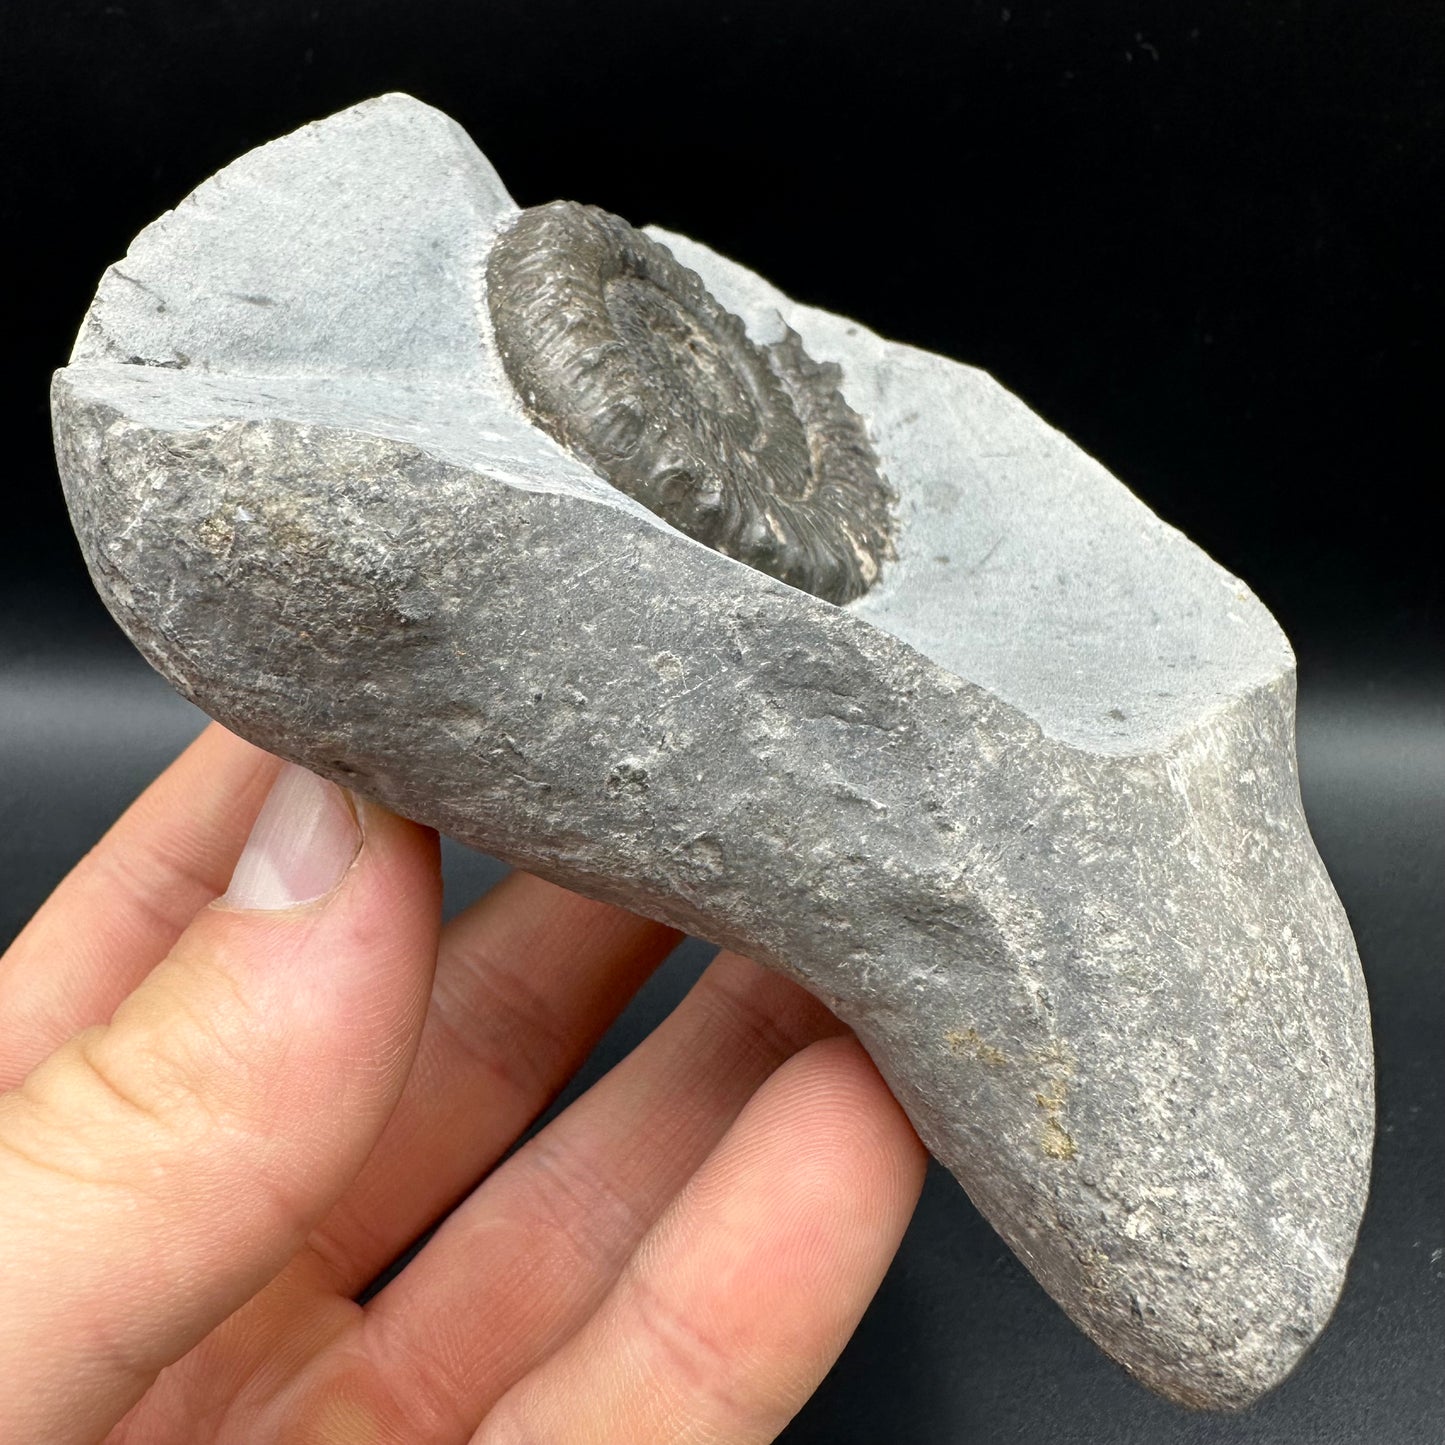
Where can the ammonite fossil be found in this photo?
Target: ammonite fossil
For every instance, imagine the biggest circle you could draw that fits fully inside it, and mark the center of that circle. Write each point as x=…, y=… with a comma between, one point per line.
x=623, y=355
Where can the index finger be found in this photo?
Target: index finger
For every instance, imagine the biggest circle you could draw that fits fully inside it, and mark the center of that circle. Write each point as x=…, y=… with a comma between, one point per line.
x=122, y=907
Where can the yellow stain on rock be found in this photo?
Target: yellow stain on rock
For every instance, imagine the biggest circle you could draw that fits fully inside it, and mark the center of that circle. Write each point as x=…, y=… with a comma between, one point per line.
x=1056, y=1141
x=1055, y=1065
x=968, y=1042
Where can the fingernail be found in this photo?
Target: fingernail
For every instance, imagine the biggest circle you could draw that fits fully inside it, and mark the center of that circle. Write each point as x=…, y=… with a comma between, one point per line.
x=301, y=845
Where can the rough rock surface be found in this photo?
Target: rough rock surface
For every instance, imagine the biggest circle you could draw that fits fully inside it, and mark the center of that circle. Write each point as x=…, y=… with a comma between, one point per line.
x=1025, y=814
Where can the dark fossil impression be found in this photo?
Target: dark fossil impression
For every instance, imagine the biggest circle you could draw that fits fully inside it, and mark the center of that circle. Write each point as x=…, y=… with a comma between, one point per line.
x=623, y=355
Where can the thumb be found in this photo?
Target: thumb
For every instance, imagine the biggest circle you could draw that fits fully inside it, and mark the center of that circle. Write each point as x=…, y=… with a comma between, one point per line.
x=157, y=1171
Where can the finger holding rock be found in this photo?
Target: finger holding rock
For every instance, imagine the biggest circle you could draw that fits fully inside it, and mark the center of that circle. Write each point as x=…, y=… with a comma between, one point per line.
x=158, y=1169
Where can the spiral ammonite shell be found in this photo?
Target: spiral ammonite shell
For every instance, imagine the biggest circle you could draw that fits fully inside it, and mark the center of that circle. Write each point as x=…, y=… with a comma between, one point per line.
x=622, y=355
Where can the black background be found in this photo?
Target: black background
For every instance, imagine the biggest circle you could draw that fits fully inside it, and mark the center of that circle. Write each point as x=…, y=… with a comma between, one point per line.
x=1205, y=241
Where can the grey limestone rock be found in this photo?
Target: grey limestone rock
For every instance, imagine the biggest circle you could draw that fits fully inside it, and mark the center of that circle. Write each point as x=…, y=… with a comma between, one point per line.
x=1024, y=811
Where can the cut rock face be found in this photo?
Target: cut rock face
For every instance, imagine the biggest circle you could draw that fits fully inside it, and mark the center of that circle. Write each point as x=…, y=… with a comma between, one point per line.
x=1024, y=811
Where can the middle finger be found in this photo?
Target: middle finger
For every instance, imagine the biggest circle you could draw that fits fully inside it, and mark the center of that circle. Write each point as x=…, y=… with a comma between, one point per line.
x=528, y=979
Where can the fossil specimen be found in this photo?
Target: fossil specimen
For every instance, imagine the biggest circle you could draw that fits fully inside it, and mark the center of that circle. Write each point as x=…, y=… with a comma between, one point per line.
x=1024, y=812
x=621, y=353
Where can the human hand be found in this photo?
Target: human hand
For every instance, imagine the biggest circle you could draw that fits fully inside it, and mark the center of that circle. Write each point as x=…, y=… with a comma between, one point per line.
x=288, y=1092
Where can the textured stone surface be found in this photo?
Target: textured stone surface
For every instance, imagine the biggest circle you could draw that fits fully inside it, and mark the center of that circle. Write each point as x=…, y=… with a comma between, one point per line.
x=1025, y=814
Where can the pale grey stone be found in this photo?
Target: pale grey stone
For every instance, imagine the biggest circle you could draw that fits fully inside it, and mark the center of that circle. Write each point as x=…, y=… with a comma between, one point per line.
x=1025, y=814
